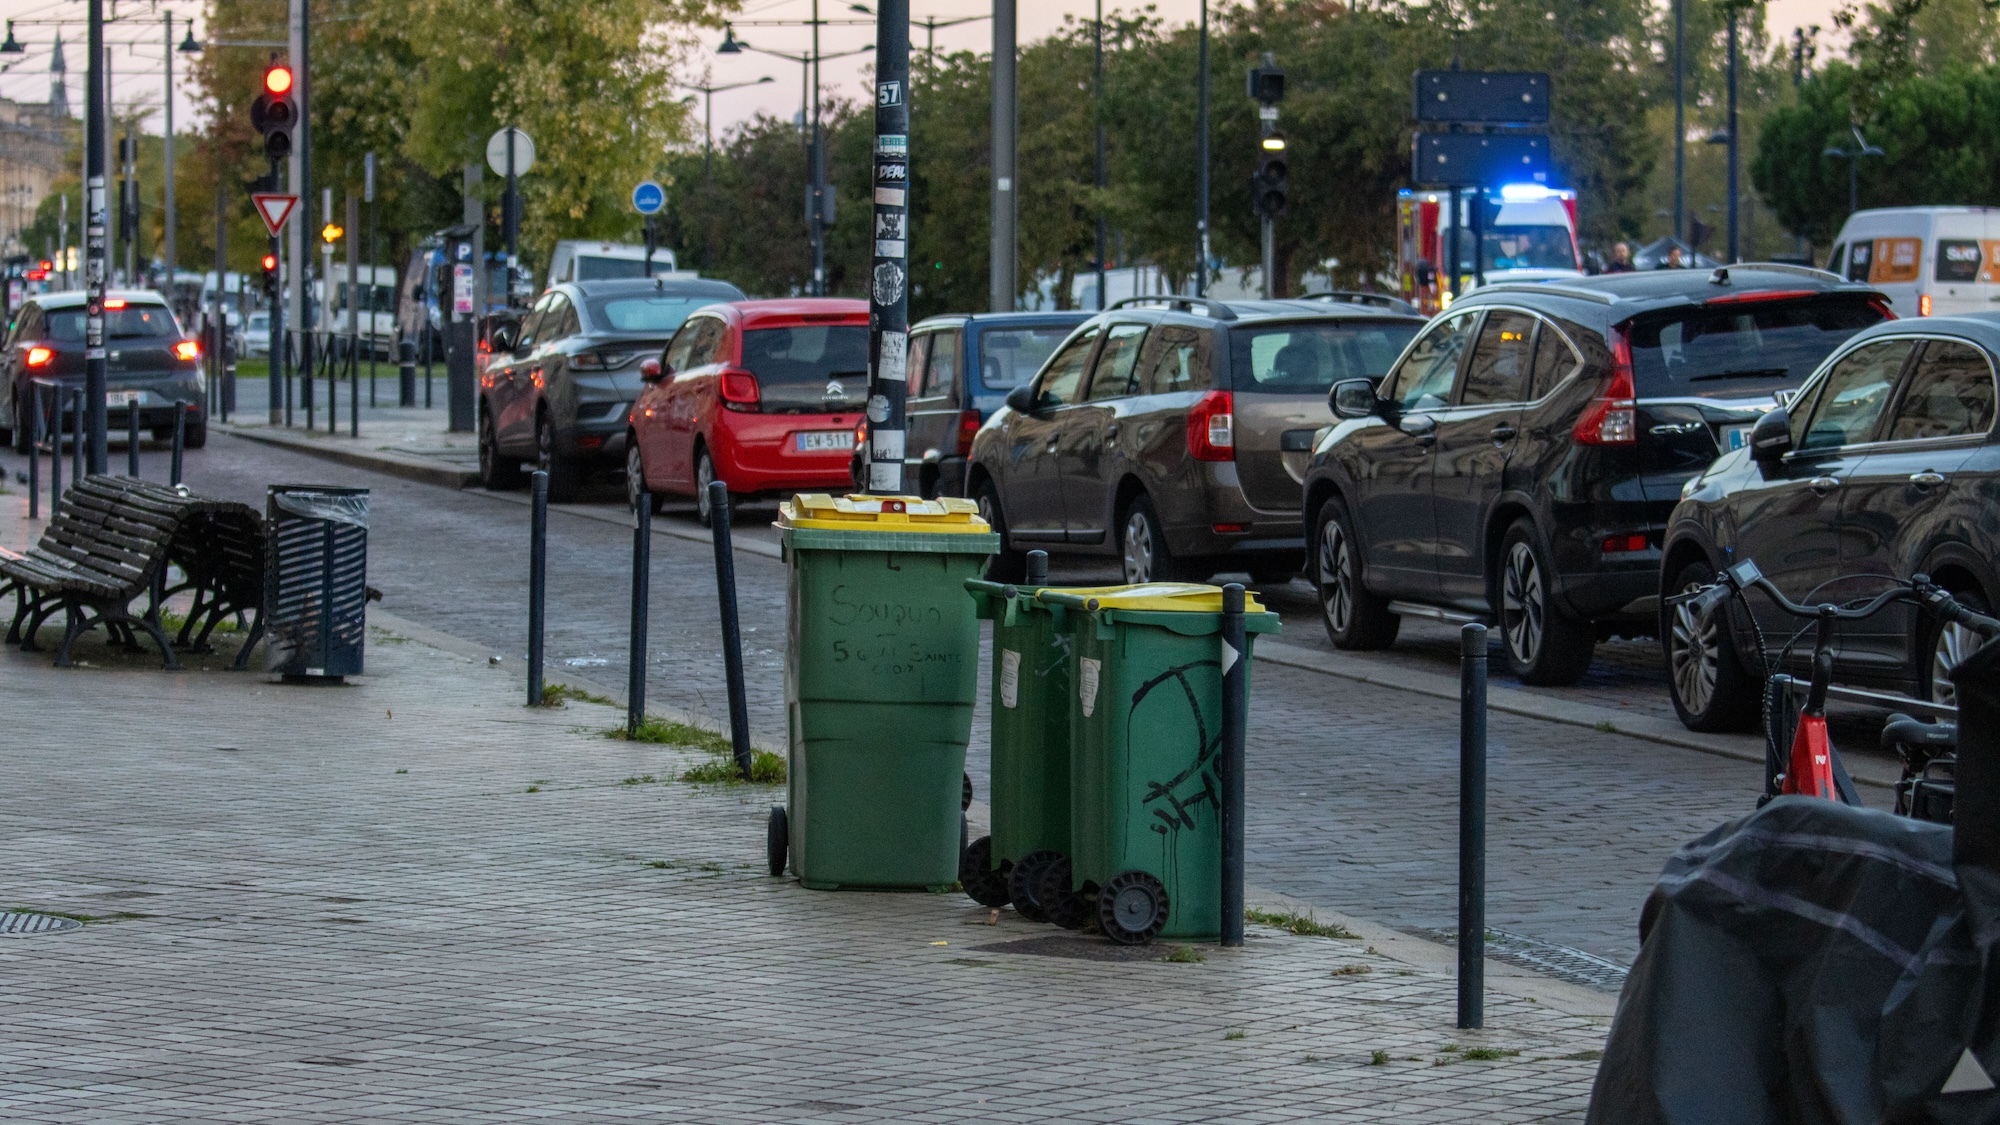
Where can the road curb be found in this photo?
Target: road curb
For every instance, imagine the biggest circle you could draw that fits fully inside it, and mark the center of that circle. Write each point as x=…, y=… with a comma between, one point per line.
x=405, y=465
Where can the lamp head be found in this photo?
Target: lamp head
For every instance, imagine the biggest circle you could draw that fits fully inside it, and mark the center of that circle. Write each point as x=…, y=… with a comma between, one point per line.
x=730, y=44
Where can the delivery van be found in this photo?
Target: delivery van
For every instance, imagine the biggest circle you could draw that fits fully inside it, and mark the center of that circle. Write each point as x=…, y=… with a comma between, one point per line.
x=1931, y=261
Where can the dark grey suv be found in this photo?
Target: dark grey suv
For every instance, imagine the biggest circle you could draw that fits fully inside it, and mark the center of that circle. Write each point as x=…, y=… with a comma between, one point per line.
x=1172, y=432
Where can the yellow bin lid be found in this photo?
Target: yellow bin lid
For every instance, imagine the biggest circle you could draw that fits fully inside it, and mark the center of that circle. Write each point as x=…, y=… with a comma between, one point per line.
x=822, y=512
x=1168, y=597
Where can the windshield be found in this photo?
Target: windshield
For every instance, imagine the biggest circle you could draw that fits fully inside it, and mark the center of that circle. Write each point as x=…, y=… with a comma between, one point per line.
x=1519, y=248
x=613, y=269
x=129, y=323
x=1009, y=357
x=1311, y=358
x=1744, y=349
x=382, y=296
x=810, y=368
x=651, y=313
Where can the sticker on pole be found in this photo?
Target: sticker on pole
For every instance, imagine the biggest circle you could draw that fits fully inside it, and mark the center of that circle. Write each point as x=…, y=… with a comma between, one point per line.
x=274, y=208
x=648, y=198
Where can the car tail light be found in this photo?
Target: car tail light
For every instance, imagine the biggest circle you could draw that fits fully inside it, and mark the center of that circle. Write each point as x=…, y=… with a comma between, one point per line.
x=114, y=303
x=187, y=351
x=1923, y=304
x=41, y=357
x=861, y=435
x=1612, y=417
x=739, y=390
x=1619, y=544
x=968, y=425
x=598, y=361
x=1881, y=305
x=1761, y=295
x=1211, y=428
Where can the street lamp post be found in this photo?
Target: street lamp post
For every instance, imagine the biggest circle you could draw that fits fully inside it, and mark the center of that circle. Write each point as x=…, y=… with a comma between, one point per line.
x=1201, y=162
x=1861, y=148
x=888, y=279
x=94, y=242
x=1680, y=121
x=708, y=118
x=1003, y=277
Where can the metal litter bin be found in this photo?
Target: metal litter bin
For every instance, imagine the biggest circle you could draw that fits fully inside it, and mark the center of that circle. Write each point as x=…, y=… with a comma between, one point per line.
x=316, y=581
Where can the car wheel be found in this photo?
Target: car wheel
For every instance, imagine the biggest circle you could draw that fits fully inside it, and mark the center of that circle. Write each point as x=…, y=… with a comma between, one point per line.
x=1142, y=546
x=195, y=436
x=23, y=434
x=565, y=479
x=1354, y=617
x=635, y=478
x=704, y=475
x=1007, y=564
x=1544, y=644
x=496, y=473
x=1711, y=689
x=1947, y=646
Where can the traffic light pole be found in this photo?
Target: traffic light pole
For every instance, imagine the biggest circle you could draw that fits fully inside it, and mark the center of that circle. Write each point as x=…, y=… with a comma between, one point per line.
x=888, y=289
x=94, y=376
x=301, y=15
x=1270, y=239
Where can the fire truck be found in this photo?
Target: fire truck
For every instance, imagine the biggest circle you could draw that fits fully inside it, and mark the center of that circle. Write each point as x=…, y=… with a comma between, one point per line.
x=1520, y=232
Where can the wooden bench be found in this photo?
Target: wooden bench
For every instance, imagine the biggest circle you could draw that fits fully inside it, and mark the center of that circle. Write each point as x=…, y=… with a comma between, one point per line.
x=111, y=542
x=220, y=550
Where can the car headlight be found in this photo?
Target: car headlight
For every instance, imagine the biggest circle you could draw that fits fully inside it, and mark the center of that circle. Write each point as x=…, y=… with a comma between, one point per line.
x=1692, y=486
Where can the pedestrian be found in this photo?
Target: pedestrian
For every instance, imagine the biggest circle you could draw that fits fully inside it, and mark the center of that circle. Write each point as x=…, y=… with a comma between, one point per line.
x=1674, y=260
x=1621, y=258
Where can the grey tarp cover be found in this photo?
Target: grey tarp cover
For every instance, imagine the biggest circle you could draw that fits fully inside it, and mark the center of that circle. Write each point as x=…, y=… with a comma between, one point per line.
x=1818, y=963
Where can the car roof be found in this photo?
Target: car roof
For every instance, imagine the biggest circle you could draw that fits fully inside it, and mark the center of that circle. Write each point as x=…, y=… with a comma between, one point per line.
x=1610, y=298
x=75, y=298
x=780, y=311
x=1046, y=317
x=1981, y=328
x=667, y=286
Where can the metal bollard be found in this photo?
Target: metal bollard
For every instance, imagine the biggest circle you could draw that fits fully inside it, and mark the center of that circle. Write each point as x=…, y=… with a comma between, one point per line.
x=1038, y=568
x=76, y=447
x=732, y=636
x=406, y=373
x=55, y=457
x=538, y=581
x=1472, y=826
x=132, y=438
x=354, y=387
x=1235, y=715
x=428, y=347
x=642, y=579
x=180, y=440
x=35, y=457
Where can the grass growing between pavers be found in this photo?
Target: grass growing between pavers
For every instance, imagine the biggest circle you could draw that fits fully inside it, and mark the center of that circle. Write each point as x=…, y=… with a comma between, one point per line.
x=1302, y=924
x=557, y=695
x=766, y=768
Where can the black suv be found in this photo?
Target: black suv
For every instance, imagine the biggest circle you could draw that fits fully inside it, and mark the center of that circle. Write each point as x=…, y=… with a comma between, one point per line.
x=1520, y=462
x=1173, y=432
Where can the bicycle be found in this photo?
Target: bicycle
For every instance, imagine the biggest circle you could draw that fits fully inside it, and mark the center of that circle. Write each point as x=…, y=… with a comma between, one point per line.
x=1806, y=763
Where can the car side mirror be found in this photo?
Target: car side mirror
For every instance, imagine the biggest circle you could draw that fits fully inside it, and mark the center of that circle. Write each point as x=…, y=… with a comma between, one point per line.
x=1771, y=437
x=1353, y=398
x=651, y=371
x=1021, y=399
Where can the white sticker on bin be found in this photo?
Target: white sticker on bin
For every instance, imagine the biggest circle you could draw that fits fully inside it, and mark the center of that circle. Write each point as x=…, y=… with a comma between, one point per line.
x=1010, y=678
x=1086, y=684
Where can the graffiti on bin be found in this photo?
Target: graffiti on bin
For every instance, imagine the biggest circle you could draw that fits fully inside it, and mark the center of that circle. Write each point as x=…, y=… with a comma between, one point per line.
x=1174, y=800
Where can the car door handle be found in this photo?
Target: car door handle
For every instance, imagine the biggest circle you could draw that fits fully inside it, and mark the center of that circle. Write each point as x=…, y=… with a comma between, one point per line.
x=1823, y=484
x=1927, y=479
x=1503, y=433
x=1422, y=428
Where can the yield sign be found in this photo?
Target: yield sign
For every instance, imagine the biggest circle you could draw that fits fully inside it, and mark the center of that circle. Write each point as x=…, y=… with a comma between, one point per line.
x=275, y=209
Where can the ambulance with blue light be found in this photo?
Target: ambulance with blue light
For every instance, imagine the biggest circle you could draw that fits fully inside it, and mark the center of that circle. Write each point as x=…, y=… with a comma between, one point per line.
x=1519, y=232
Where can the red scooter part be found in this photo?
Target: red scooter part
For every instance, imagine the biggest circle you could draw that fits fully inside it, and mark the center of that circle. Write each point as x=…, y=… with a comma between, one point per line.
x=1810, y=772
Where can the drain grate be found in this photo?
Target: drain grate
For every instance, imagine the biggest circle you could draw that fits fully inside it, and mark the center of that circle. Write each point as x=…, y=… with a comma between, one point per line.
x=15, y=923
x=1547, y=958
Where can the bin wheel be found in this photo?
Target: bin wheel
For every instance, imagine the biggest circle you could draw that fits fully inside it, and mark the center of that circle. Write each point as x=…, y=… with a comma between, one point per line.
x=1025, y=880
x=965, y=794
x=1058, y=899
x=984, y=885
x=1132, y=908
x=777, y=839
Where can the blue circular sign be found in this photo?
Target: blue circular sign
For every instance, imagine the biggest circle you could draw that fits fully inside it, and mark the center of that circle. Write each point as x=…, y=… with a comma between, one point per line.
x=648, y=197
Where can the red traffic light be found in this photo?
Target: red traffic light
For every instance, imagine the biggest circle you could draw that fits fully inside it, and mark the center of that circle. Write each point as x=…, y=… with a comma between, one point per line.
x=270, y=263
x=47, y=265
x=278, y=80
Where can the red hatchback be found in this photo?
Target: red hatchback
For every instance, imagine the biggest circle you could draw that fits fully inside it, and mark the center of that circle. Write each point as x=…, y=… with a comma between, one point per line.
x=762, y=395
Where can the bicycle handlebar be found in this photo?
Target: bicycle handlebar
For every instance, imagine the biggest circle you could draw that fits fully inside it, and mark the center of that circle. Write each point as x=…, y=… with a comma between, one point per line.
x=1919, y=589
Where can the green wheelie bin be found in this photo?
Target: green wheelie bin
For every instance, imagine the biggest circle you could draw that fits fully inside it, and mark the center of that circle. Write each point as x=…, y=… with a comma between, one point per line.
x=881, y=670
x=1030, y=757
x=1145, y=717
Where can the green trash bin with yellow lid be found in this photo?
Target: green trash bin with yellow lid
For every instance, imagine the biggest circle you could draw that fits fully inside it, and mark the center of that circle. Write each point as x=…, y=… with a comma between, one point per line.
x=1146, y=718
x=881, y=672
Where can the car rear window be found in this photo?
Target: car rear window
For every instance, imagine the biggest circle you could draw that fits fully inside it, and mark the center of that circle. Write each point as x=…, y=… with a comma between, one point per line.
x=1009, y=357
x=655, y=313
x=133, y=322
x=616, y=269
x=1749, y=348
x=796, y=367
x=1311, y=358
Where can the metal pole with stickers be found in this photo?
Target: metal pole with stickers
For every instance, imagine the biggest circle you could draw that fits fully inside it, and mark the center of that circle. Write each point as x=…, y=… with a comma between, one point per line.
x=888, y=281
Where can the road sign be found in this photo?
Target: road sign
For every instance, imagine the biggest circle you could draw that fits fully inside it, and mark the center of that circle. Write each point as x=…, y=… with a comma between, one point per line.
x=648, y=198
x=1480, y=159
x=496, y=152
x=274, y=208
x=1483, y=97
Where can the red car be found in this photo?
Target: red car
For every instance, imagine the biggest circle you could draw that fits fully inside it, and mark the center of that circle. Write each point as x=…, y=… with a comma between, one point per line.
x=762, y=395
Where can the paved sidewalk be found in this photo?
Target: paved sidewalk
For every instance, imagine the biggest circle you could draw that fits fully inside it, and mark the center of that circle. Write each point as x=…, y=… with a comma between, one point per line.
x=414, y=443
x=413, y=898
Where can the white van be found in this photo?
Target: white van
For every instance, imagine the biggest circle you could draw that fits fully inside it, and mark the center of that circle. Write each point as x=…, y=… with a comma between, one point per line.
x=1931, y=261
x=579, y=260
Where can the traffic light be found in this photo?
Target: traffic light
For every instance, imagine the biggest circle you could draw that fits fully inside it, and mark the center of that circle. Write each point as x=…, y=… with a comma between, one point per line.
x=270, y=264
x=331, y=232
x=275, y=113
x=1269, y=189
x=1267, y=83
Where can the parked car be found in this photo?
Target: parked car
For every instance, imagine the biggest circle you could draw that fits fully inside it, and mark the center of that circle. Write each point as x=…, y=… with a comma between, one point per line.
x=1519, y=464
x=148, y=360
x=762, y=395
x=583, y=260
x=1931, y=261
x=960, y=370
x=253, y=337
x=1172, y=432
x=1884, y=465
x=556, y=390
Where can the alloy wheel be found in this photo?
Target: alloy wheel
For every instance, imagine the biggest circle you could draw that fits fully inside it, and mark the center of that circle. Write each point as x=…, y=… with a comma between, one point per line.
x=1694, y=648
x=1138, y=548
x=635, y=474
x=1523, y=604
x=1336, y=577
x=1954, y=644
